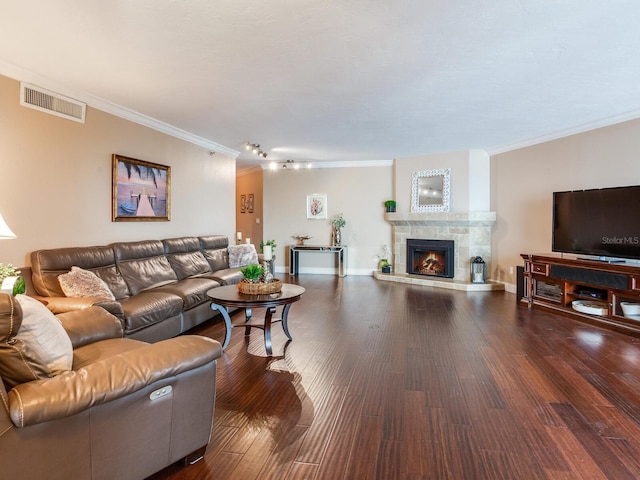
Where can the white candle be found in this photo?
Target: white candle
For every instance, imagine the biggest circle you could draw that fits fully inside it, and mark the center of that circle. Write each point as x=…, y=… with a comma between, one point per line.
x=268, y=254
x=248, y=240
x=239, y=236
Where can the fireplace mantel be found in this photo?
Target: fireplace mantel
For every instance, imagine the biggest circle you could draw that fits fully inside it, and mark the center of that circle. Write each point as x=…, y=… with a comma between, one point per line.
x=476, y=219
x=471, y=232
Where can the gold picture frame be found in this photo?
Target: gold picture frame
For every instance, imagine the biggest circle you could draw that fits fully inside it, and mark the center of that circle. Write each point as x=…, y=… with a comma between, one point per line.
x=141, y=190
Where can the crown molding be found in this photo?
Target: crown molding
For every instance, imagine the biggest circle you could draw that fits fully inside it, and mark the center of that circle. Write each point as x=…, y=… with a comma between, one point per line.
x=23, y=75
x=585, y=127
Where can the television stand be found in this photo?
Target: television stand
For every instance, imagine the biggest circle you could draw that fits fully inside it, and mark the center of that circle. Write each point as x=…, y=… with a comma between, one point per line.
x=565, y=286
x=603, y=259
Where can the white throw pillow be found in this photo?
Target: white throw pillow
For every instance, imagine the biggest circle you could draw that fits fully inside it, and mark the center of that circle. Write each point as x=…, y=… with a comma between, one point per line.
x=83, y=283
x=242, y=255
x=46, y=342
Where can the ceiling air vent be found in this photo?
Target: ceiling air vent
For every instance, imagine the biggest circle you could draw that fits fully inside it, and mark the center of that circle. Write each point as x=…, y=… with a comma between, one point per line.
x=53, y=103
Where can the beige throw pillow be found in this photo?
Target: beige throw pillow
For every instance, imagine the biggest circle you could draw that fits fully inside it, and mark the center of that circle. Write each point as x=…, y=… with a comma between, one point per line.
x=242, y=255
x=40, y=349
x=83, y=283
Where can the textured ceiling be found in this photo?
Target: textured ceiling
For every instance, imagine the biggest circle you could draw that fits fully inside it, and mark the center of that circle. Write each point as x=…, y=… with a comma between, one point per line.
x=342, y=80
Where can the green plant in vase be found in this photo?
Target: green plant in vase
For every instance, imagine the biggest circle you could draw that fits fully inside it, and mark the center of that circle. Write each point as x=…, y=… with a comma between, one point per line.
x=390, y=205
x=15, y=282
x=272, y=243
x=252, y=273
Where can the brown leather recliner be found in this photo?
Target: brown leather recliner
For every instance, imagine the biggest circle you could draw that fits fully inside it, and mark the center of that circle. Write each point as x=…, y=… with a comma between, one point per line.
x=125, y=410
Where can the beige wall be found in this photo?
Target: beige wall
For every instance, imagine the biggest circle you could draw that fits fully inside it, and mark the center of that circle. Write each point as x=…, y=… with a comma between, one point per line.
x=250, y=223
x=359, y=193
x=470, y=183
x=56, y=180
x=522, y=183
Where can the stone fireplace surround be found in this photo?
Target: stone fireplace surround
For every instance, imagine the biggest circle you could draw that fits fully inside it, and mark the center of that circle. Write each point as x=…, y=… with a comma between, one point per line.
x=470, y=231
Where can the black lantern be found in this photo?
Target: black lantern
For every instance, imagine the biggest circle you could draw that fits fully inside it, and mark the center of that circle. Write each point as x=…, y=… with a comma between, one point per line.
x=478, y=270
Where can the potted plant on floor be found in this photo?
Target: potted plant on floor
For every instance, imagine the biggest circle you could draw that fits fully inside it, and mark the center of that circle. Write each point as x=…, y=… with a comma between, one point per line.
x=390, y=206
x=384, y=265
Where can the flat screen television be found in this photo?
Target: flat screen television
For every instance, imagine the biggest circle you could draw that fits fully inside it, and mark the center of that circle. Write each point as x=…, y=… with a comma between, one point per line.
x=601, y=222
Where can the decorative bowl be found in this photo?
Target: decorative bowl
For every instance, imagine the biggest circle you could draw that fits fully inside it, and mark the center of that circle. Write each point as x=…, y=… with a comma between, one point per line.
x=259, y=287
x=630, y=308
x=301, y=238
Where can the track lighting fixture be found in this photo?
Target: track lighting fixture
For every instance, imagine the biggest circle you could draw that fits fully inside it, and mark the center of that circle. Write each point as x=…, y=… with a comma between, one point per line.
x=289, y=165
x=255, y=148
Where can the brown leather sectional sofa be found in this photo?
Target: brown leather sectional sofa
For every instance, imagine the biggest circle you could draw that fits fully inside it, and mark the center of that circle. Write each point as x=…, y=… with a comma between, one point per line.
x=125, y=409
x=159, y=285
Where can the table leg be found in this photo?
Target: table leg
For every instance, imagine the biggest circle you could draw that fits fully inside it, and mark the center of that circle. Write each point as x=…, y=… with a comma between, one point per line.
x=285, y=314
x=247, y=318
x=228, y=326
x=267, y=329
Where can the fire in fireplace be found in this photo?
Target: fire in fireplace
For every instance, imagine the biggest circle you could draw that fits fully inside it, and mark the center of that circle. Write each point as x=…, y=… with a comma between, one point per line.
x=430, y=257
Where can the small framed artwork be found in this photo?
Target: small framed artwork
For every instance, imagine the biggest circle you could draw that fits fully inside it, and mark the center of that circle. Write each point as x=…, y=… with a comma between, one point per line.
x=316, y=206
x=141, y=190
x=243, y=203
x=250, y=203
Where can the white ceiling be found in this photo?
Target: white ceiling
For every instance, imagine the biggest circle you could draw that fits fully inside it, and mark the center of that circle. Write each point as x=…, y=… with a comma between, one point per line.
x=341, y=80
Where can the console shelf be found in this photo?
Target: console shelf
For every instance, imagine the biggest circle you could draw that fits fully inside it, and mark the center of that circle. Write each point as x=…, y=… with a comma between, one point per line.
x=554, y=283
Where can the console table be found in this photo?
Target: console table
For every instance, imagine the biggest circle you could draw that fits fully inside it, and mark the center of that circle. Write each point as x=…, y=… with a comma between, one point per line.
x=555, y=283
x=339, y=250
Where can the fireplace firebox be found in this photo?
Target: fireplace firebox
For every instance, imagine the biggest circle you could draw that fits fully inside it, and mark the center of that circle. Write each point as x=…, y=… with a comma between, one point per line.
x=433, y=258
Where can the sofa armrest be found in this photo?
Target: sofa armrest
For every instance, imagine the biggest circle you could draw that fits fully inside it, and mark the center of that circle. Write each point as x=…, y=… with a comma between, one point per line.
x=68, y=304
x=107, y=380
x=90, y=325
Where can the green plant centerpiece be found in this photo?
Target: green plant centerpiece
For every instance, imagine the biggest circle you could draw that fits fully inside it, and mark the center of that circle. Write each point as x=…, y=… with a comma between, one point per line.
x=252, y=273
x=256, y=282
x=15, y=283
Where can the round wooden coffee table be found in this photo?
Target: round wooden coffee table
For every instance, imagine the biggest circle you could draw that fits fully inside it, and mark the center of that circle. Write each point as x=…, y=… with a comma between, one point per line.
x=229, y=296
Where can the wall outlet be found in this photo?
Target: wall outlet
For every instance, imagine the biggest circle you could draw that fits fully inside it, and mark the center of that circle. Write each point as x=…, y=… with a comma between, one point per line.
x=510, y=270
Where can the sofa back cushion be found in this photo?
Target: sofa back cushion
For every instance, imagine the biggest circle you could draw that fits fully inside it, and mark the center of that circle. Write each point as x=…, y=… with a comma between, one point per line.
x=185, y=257
x=47, y=265
x=33, y=343
x=143, y=265
x=214, y=249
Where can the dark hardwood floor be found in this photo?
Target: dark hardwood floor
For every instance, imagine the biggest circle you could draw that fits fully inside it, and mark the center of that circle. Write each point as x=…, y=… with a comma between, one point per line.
x=393, y=381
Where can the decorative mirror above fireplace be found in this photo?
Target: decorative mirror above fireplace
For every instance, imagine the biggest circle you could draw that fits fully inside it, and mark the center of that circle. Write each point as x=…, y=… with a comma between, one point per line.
x=430, y=190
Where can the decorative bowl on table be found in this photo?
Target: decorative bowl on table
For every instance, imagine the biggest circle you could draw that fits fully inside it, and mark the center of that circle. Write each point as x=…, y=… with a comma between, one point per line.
x=259, y=288
x=301, y=238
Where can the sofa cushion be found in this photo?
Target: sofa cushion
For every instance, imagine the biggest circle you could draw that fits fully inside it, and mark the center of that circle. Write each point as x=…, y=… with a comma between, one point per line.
x=192, y=291
x=47, y=265
x=241, y=255
x=185, y=257
x=114, y=281
x=148, y=308
x=188, y=264
x=147, y=273
x=214, y=249
x=226, y=276
x=83, y=283
x=143, y=265
x=33, y=344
